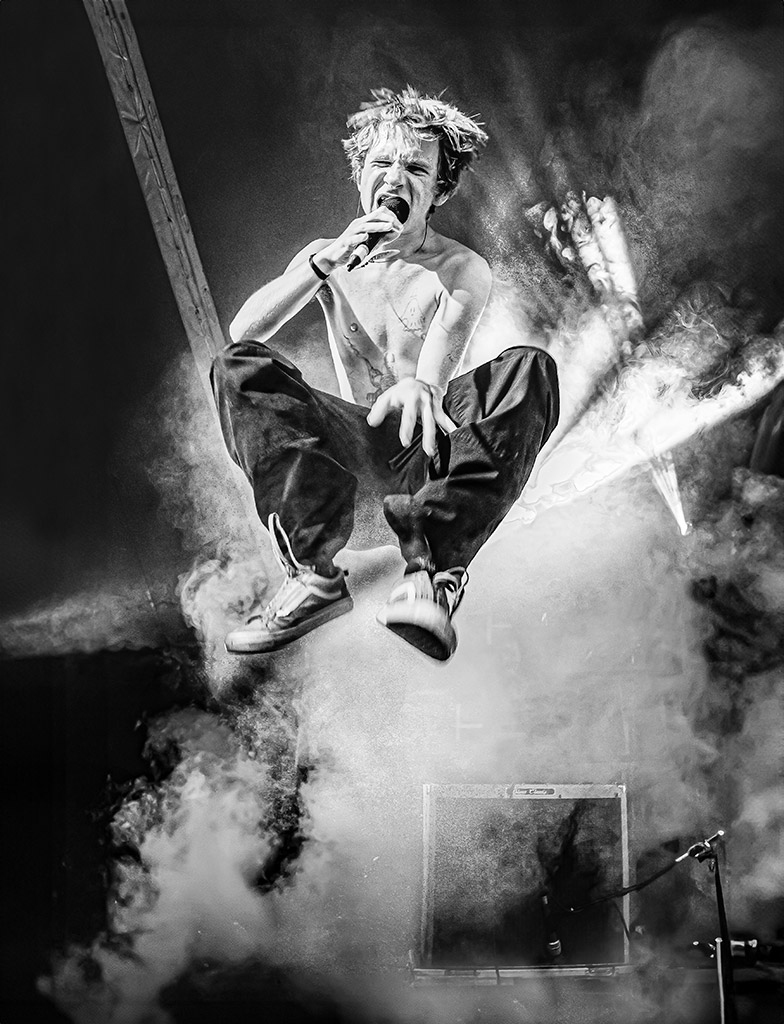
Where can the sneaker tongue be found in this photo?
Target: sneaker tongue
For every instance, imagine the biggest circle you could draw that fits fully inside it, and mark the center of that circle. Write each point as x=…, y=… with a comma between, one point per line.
x=420, y=563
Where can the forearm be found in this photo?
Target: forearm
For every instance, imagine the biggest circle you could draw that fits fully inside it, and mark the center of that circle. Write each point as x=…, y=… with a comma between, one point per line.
x=459, y=309
x=440, y=359
x=268, y=309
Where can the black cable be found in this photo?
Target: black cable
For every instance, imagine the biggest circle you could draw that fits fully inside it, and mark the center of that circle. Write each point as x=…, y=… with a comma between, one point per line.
x=699, y=851
x=619, y=893
x=623, y=921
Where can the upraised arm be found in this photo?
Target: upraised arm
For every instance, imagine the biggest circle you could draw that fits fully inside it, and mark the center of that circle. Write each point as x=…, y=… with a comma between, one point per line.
x=267, y=310
x=273, y=305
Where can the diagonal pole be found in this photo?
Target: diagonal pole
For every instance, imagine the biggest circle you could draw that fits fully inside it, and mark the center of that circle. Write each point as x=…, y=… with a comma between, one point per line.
x=122, y=60
x=130, y=86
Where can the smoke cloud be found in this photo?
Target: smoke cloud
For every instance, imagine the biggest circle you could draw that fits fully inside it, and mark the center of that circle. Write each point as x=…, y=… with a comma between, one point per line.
x=597, y=643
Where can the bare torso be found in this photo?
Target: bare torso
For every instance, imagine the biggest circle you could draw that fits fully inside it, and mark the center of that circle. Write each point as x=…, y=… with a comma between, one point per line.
x=378, y=315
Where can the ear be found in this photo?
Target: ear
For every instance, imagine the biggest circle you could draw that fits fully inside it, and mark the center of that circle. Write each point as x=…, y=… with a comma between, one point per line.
x=438, y=201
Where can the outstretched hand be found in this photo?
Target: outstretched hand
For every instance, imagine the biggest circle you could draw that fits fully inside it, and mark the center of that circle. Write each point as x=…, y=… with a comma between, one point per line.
x=418, y=402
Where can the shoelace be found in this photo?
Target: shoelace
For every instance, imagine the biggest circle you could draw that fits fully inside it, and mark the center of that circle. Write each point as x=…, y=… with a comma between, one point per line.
x=281, y=548
x=289, y=594
x=454, y=582
x=285, y=558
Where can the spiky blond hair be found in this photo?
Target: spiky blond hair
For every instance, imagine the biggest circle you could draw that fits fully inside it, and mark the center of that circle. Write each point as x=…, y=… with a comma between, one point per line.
x=459, y=137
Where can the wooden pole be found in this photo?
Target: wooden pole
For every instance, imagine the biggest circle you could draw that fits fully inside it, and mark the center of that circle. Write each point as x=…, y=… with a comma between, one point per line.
x=130, y=86
x=122, y=59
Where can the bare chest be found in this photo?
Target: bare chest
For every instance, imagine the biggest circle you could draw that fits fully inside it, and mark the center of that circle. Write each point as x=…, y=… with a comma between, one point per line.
x=382, y=307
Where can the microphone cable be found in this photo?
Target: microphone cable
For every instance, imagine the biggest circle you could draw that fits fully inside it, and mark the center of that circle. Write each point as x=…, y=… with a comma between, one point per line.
x=700, y=851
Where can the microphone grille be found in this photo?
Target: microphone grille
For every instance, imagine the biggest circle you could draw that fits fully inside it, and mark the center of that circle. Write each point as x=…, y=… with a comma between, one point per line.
x=398, y=206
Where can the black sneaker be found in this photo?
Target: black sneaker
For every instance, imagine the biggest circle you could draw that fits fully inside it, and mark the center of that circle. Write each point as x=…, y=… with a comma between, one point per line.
x=420, y=610
x=304, y=601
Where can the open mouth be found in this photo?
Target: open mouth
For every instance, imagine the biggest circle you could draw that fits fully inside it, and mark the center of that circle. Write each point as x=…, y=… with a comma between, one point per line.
x=396, y=204
x=384, y=194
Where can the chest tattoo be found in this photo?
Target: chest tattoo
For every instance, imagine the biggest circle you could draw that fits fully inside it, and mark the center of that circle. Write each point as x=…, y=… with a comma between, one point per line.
x=413, y=319
x=380, y=380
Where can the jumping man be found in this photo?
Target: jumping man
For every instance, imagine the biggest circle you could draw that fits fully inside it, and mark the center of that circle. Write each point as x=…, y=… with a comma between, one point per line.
x=444, y=454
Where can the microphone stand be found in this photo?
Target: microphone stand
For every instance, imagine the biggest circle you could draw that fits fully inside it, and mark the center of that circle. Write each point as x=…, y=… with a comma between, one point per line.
x=706, y=850
x=728, y=1008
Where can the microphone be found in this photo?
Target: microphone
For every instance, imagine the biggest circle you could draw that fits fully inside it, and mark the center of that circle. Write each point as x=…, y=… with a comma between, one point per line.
x=401, y=210
x=701, y=851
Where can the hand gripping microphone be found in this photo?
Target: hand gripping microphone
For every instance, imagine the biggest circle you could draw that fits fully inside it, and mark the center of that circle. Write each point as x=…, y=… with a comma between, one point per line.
x=401, y=210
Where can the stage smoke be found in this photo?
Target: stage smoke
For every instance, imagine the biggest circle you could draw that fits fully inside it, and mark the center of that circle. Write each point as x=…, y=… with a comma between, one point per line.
x=594, y=639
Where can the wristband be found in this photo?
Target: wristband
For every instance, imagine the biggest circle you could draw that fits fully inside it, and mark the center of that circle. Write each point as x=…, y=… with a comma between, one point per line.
x=319, y=273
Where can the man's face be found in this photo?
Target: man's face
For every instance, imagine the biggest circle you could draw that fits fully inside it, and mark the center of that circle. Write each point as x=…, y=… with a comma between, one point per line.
x=401, y=164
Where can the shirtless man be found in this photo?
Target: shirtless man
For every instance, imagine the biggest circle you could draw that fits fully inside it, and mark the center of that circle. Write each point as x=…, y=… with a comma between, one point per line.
x=444, y=455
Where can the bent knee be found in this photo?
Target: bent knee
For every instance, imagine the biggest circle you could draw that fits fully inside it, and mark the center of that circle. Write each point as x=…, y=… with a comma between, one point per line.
x=527, y=353
x=529, y=359
x=250, y=366
x=532, y=375
x=241, y=360
x=237, y=352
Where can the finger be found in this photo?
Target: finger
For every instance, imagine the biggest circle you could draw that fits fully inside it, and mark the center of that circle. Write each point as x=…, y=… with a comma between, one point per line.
x=408, y=420
x=378, y=226
x=388, y=231
x=395, y=226
x=442, y=419
x=428, y=427
x=384, y=212
x=381, y=220
x=378, y=411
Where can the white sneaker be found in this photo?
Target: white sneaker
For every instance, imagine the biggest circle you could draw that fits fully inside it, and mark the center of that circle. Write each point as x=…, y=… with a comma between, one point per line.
x=420, y=610
x=304, y=601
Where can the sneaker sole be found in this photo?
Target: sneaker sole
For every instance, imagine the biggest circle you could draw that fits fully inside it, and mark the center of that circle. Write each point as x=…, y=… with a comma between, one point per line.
x=266, y=642
x=421, y=628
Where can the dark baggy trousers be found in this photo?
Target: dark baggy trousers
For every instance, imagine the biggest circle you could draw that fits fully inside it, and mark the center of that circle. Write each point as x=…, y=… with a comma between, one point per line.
x=313, y=459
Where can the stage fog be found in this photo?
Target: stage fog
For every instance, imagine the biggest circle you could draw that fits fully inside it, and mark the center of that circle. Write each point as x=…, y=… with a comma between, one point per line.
x=200, y=836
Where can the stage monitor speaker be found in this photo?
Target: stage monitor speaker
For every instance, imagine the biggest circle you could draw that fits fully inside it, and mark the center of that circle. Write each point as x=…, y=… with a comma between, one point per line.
x=505, y=864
